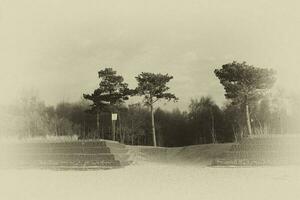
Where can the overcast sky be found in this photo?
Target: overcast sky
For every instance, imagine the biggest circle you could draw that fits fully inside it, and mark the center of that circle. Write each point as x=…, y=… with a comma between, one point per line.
x=57, y=46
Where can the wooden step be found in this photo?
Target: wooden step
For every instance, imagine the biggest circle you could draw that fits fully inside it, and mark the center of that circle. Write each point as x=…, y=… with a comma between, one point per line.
x=278, y=150
x=77, y=154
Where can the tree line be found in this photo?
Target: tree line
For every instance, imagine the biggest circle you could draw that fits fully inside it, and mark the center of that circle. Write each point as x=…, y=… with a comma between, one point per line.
x=250, y=109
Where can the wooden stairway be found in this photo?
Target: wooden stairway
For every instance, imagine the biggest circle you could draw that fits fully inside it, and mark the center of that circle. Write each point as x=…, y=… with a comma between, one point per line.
x=81, y=155
x=263, y=150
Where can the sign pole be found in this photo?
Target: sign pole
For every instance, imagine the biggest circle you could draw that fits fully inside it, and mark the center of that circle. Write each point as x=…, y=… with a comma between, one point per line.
x=114, y=118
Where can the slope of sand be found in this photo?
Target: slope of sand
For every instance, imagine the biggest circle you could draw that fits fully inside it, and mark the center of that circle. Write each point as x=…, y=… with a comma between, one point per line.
x=200, y=155
x=156, y=174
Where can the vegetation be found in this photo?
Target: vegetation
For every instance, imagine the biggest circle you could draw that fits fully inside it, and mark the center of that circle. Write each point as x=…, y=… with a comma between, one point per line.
x=250, y=109
x=244, y=84
x=112, y=91
x=153, y=87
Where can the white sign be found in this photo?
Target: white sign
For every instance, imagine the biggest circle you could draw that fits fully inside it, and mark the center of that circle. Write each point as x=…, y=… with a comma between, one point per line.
x=114, y=116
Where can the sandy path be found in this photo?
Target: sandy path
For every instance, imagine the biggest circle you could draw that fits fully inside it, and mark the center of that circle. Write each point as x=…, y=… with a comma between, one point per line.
x=153, y=181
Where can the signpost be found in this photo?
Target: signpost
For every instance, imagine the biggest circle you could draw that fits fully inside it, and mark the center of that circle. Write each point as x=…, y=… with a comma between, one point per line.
x=114, y=117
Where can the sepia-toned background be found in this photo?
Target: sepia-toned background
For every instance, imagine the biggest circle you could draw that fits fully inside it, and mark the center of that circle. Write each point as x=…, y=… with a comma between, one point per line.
x=56, y=47
x=52, y=50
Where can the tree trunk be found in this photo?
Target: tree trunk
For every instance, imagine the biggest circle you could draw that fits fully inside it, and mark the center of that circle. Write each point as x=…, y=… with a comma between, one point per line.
x=121, y=132
x=132, y=142
x=234, y=133
x=84, y=129
x=153, y=125
x=261, y=129
x=213, y=134
x=248, y=119
x=98, y=123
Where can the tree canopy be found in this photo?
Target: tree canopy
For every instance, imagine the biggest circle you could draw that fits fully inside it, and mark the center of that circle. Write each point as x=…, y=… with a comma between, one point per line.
x=241, y=81
x=112, y=90
x=154, y=87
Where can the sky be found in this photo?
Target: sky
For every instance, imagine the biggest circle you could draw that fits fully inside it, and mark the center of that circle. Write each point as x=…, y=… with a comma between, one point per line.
x=56, y=47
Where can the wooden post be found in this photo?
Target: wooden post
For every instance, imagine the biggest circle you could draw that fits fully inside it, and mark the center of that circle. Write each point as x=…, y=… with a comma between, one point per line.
x=113, y=130
x=113, y=120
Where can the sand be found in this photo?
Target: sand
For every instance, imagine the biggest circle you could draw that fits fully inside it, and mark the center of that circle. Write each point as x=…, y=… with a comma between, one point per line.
x=157, y=173
x=148, y=180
